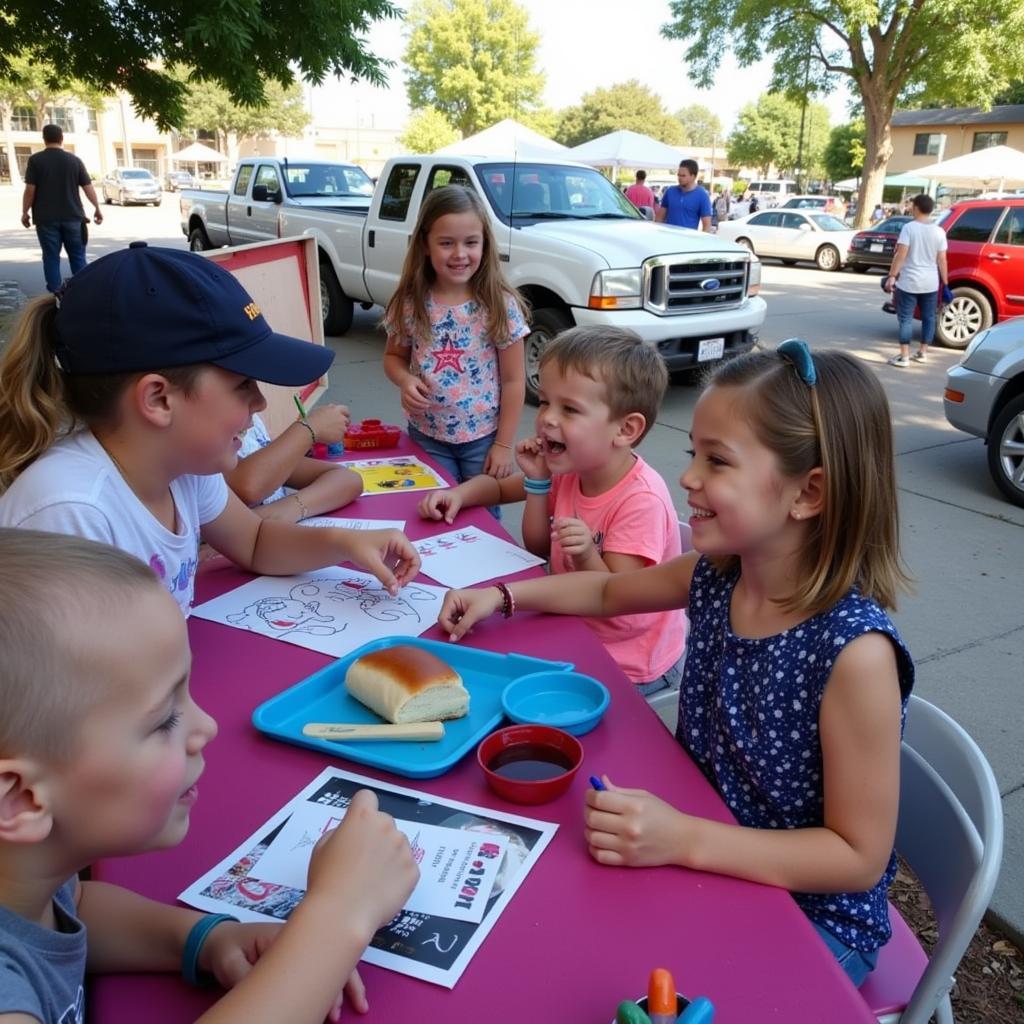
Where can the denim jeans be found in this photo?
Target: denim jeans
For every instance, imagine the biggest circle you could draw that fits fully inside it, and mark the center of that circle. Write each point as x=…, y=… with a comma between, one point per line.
x=670, y=679
x=905, y=303
x=460, y=461
x=856, y=964
x=51, y=237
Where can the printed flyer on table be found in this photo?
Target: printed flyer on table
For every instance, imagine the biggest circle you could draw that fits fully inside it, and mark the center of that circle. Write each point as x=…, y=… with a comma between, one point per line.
x=472, y=860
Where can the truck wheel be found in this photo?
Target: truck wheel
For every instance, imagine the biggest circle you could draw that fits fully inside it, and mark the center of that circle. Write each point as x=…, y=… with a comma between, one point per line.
x=107, y=199
x=1006, y=450
x=960, y=320
x=827, y=258
x=335, y=306
x=198, y=240
x=546, y=324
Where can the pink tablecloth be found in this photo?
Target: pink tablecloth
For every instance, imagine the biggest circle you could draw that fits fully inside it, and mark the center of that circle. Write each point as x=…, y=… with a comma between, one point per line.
x=577, y=938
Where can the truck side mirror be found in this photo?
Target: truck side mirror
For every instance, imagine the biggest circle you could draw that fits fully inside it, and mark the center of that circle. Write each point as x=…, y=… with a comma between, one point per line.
x=262, y=194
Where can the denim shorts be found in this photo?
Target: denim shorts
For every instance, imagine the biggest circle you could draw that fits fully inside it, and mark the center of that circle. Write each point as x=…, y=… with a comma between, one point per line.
x=671, y=679
x=461, y=461
x=856, y=964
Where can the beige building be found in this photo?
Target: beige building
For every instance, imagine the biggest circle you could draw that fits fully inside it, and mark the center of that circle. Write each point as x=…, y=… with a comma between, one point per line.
x=922, y=137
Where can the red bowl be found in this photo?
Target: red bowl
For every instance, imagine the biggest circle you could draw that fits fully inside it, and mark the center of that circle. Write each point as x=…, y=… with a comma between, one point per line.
x=530, y=764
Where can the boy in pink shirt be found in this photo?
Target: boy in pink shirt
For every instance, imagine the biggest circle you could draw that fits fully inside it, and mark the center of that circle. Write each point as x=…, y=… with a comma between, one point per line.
x=592, y=503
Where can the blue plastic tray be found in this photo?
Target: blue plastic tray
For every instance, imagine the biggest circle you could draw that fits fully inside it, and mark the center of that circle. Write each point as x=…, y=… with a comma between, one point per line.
x=323, y=698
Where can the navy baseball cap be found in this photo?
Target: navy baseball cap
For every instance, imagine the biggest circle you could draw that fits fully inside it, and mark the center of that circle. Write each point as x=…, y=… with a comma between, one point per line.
x=150, y=308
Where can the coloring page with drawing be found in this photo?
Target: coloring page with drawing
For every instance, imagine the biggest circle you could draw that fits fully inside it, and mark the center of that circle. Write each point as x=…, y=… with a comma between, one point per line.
x=332, y=610
x=464, y=557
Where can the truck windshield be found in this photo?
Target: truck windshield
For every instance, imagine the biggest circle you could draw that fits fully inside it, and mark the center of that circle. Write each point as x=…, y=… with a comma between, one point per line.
x=528, y=191
x=326, y=180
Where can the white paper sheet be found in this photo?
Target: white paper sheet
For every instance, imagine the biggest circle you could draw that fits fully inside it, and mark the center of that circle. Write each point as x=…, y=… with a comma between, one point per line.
x=332, y=610
x=467, y=556
x=420, y=944
x=354, y=524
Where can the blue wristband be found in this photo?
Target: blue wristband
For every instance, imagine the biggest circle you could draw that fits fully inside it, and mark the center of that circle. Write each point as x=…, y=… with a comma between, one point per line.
x=193, y=946
x=536, y=486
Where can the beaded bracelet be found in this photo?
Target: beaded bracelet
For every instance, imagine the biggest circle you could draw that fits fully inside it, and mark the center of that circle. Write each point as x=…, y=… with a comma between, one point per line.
x=308, y=426
x=194, y=945
x=508, y=601
x=303, y=511
x=501, y=444
x=536, y=486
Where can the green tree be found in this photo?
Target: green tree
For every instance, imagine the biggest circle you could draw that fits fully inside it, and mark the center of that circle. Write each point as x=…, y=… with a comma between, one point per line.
x=1013, y=93
x=844, y=154
x=426, y=131
x=472, y=60
x=701, y=125
x=768, y=134
x=242, y=46
x=628, y=105
x=890, y=50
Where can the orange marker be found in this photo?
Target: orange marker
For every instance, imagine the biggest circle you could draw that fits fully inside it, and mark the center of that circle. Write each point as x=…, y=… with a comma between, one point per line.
x=661, y=997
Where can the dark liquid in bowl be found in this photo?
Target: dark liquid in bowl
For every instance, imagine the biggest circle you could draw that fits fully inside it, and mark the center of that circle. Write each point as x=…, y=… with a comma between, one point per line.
x=530, y=762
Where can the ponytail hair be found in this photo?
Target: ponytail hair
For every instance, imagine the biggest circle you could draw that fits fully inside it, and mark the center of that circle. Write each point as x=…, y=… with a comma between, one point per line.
x=33, y=409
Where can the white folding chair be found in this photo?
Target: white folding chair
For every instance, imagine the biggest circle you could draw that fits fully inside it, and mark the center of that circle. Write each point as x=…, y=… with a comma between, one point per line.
x=666, y=703
x=950, y=832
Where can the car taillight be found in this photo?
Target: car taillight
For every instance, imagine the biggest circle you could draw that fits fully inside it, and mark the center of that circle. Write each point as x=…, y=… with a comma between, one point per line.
x=954, y=396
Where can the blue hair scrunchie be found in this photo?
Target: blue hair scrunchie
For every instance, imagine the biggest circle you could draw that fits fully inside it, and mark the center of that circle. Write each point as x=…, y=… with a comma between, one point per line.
x=798, y=352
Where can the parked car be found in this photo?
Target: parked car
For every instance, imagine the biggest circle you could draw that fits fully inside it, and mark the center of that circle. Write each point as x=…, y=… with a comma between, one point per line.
x=986, y=267
x=985, y=397
x=875, y=247
x=131, y=185
x=771, y=193
x=792, y=235
x=569, y=240
x=828, y=204
x=175, y=180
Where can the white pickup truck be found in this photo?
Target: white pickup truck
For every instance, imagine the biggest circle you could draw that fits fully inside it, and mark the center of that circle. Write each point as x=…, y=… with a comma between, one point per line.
x=572, y=244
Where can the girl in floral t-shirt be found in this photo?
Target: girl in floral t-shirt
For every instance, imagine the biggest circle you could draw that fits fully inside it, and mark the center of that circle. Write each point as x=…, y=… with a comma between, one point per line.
x=455, y=331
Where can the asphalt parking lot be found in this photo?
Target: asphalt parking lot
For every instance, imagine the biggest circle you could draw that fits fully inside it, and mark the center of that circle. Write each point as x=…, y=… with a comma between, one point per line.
x=963, y=543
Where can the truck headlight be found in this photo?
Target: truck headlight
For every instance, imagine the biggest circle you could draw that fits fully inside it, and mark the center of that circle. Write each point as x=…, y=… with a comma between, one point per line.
x=616, y=289
x=754, y=278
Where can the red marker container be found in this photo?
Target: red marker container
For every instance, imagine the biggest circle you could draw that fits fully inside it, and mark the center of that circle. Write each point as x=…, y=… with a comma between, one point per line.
x=371, y=434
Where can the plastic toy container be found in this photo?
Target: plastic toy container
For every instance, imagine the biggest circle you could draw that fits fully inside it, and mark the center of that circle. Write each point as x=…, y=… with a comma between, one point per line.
x=371, y=434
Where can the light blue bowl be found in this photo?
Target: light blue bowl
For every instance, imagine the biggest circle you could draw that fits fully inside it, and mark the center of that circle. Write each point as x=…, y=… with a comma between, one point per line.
x=565, y=700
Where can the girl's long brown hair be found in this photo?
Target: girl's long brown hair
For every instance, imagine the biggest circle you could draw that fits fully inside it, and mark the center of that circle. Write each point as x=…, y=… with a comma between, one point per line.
x=488, y=284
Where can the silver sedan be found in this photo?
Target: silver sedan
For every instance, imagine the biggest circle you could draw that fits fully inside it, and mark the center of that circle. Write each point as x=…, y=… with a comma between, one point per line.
x=792, y=235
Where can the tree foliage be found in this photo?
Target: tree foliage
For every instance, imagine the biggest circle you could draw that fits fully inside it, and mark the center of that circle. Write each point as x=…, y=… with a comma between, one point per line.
x=426, y=131
x=768, y=134
x=628, y=105
x=890, y=50
x=474, y=61
x=1013, y=93
x=701, y=125
x=240, y=44
x=844, y=153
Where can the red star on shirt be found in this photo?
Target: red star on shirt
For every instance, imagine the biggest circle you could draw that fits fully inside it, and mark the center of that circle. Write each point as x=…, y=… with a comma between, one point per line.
x=448, y=356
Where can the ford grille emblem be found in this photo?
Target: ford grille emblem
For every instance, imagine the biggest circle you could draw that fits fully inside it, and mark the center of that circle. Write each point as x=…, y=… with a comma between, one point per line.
x=710, y=284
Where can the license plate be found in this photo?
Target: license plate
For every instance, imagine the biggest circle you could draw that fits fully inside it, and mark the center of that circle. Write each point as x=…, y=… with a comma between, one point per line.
x=876, y=247
x=710, y=348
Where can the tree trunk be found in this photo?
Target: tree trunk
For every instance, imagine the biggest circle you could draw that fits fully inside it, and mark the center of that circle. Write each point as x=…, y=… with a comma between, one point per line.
x=12, y=154
x=878, y=111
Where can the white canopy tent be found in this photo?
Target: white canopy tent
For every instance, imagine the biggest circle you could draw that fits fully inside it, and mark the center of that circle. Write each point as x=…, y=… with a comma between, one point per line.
x=996, y=167
x=626, y=149
x=506, y=138
x=197, y=154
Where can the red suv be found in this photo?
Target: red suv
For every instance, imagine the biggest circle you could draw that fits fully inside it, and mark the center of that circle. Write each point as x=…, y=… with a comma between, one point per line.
x=986, y=267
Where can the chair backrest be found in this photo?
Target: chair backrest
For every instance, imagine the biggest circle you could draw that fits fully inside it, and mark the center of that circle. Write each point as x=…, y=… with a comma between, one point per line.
x=950, y=831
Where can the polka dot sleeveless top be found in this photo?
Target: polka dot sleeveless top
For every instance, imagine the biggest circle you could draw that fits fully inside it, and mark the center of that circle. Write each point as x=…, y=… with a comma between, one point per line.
x=748, y=716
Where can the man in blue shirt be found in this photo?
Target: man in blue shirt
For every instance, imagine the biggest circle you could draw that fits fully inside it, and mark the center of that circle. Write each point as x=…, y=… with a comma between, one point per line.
x=686, y=205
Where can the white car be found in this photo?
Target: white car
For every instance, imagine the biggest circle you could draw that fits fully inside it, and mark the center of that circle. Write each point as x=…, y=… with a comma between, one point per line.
x=792, y=235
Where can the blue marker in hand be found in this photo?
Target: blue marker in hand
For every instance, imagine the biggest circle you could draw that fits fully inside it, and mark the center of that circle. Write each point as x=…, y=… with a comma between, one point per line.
x=598, y=784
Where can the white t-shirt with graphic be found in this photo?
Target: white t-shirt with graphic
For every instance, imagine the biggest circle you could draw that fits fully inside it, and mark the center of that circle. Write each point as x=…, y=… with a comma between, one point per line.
x=75, y=488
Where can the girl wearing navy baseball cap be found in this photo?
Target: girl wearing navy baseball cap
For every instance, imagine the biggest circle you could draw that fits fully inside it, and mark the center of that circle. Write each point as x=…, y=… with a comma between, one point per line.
x=124, y=398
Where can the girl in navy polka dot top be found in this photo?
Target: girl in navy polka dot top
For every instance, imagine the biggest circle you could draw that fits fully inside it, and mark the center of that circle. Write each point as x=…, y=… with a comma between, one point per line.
x=796, y=681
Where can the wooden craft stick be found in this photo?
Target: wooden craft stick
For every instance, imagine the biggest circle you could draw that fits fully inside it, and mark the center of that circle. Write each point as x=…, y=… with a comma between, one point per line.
x=345, y=731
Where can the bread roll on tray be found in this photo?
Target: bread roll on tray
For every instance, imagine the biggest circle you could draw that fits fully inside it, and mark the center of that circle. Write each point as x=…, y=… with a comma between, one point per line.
x=407, y=684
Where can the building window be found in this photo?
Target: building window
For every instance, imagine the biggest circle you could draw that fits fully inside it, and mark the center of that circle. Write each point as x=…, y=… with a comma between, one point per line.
x=92, y=121
x=23, y=119
x=61, y=117
x=985, y=140
x=927, y=145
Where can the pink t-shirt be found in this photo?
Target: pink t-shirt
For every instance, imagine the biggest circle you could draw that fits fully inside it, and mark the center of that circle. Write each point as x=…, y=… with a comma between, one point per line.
x=640, y=195
x=635, y=517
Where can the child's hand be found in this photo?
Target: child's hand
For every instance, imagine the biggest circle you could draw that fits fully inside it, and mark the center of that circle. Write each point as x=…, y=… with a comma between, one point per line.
x=462, y=609
x=387, y=554
x=575, y=537
x=443, y=504
x=415, y=395
x=232, y=948
x=531, y=460
x=365, y=866
x=633, y=828
x=500, y=462
x=330, y=422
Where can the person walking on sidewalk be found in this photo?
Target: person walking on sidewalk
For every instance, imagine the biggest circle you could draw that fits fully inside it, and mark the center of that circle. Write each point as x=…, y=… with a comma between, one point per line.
x=52, y=180
x=917, y=274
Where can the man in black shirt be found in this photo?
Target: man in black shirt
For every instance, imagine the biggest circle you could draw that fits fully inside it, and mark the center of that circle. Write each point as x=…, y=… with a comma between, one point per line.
x=52, y=180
